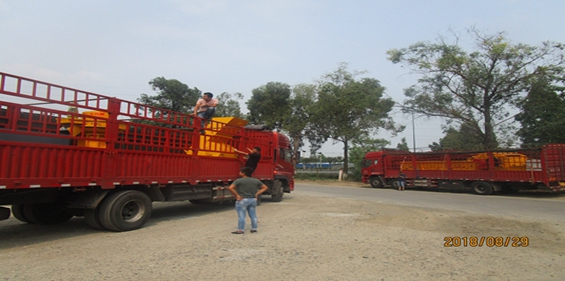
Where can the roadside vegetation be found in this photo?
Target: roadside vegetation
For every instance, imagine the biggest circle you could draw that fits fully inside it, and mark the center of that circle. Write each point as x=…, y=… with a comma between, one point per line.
x=494, y=94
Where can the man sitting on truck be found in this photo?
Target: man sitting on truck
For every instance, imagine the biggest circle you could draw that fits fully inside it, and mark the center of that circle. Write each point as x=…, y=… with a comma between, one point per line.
x=205, y=109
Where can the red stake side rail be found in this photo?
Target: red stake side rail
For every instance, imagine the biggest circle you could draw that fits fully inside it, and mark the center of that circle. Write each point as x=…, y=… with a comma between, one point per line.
x=483, y=171
x=67, y=152
x=107, y=142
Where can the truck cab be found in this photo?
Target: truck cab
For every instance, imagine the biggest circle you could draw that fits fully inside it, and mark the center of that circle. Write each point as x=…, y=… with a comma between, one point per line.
x=372, y=167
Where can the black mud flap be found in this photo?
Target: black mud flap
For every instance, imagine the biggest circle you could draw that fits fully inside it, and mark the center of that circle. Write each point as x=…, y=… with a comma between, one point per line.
x=4, y=213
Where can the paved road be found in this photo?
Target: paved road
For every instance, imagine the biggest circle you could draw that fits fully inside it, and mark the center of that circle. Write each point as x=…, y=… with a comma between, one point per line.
x=544, y=206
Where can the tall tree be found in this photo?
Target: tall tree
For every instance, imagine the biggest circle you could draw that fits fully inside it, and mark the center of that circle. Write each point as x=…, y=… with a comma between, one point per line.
x=301, y=105
x=542, y=116
x=228, y=105
x=457, y=140
x=349, y=109
x=403, y=145
x=475, y=88
x=172, y=95
x=269, y=105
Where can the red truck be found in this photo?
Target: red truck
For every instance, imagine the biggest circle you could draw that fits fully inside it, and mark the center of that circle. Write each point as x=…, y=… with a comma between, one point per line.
x=66, y=152
x=484, y=172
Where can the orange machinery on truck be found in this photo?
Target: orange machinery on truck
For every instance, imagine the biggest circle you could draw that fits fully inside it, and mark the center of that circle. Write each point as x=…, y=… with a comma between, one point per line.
x=485, y=172
x=66, y=152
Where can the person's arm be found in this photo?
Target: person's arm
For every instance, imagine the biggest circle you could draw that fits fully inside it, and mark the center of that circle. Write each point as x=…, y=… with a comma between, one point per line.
x=197, y=107
x=262, y=189
x=239, y=151
x=234, y=192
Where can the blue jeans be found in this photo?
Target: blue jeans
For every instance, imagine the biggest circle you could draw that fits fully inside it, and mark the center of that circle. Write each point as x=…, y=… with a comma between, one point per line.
x=243, y=206
x=206, y=115
x=202, y=115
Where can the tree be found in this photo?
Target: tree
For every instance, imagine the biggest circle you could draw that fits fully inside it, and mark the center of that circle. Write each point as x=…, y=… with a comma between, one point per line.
x=172, y=95
x=359, y=149
x=301, y=105
x=542, y=116
x=269, y=105
x=403, y=145
x=475, y=88
x=349, y=109
x=457, y=140
x=228, y=105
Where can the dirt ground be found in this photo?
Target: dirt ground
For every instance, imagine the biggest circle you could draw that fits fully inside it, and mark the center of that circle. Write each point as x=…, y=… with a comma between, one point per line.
x=301, y=238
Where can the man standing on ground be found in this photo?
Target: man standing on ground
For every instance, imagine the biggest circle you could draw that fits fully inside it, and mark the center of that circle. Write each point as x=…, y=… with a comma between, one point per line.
x=246, y=190
x=401, y=181
x=253, y=157
x=205, y=108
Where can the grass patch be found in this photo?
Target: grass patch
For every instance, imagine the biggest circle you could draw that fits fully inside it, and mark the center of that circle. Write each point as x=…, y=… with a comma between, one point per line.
x=315, y=176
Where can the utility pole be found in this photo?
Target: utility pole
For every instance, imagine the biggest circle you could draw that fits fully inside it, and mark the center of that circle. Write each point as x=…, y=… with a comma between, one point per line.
x=413, y=132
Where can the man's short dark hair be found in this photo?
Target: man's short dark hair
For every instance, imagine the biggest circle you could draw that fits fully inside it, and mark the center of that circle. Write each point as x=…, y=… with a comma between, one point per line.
x=246, y=171
x=209, y=94
x=257, y=148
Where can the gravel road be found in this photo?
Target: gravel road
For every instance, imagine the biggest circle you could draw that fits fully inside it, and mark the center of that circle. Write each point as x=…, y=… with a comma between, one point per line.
x=301, y=238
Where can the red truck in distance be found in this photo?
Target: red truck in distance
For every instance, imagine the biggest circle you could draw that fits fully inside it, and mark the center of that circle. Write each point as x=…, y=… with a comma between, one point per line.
x=484, y=172
x=66, y=152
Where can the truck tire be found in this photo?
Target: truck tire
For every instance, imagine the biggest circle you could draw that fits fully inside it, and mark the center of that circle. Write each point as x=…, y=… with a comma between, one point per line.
x=47, y=213
x=278, y=191
x=18, y=212
x=4, y=213
x=125, y=210
x=393, y=184
x=482, y=188
x=376, y=182
x=92, y=217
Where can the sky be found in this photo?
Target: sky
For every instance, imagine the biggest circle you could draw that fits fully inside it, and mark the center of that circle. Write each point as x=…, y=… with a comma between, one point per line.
x=116, y=47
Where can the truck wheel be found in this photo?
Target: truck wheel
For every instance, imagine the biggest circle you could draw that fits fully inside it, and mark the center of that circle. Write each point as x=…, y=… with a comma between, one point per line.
x=92, y=217
x=376, y=182
x=4, y=213
x=18, y=212
x=47, y=213
x=278, y=190
x=393, y=184
x=482, y=188
x=125, y=210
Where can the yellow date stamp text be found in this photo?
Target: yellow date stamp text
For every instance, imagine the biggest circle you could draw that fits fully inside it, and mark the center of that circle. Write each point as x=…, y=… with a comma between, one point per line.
x=486, y=241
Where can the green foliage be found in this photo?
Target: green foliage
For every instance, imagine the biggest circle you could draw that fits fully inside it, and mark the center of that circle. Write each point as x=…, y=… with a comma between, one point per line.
x=314, y=159
x=457, y=140
x=542, y=116
x=358, y=151
x=403, y=145
x=172, y=95
x=228, y=105
x=316, y=176
x=349, y=109
x=475, y=88
x=301, y=104
x=269, y=105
